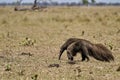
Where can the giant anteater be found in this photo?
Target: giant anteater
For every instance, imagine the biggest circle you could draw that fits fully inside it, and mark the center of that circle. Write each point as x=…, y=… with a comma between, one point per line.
x=86, y=48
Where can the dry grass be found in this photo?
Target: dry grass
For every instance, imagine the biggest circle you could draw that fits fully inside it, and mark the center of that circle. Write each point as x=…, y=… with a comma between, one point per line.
x=49, y=29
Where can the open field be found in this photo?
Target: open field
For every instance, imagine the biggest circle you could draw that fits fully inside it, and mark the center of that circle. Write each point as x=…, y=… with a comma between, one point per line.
x=28, y=59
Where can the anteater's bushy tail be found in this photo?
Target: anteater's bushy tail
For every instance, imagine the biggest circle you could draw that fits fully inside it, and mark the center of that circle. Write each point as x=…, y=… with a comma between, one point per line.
x=100, y=52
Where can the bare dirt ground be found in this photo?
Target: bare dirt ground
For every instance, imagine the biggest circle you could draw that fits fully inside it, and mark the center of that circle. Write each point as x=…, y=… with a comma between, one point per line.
x=30, y=43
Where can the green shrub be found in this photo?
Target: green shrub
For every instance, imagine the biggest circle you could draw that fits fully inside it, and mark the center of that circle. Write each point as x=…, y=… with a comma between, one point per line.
x=8, y=68
x=27, y=42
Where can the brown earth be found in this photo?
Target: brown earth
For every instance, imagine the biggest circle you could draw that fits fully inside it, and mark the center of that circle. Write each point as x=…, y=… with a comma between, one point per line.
x=30, y=43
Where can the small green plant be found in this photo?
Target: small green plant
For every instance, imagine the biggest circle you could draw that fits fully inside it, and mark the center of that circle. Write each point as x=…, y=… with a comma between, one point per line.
x=34, y=77
x=21, y=72
x=110, y=45
x=8, y=68
x=27, y=42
